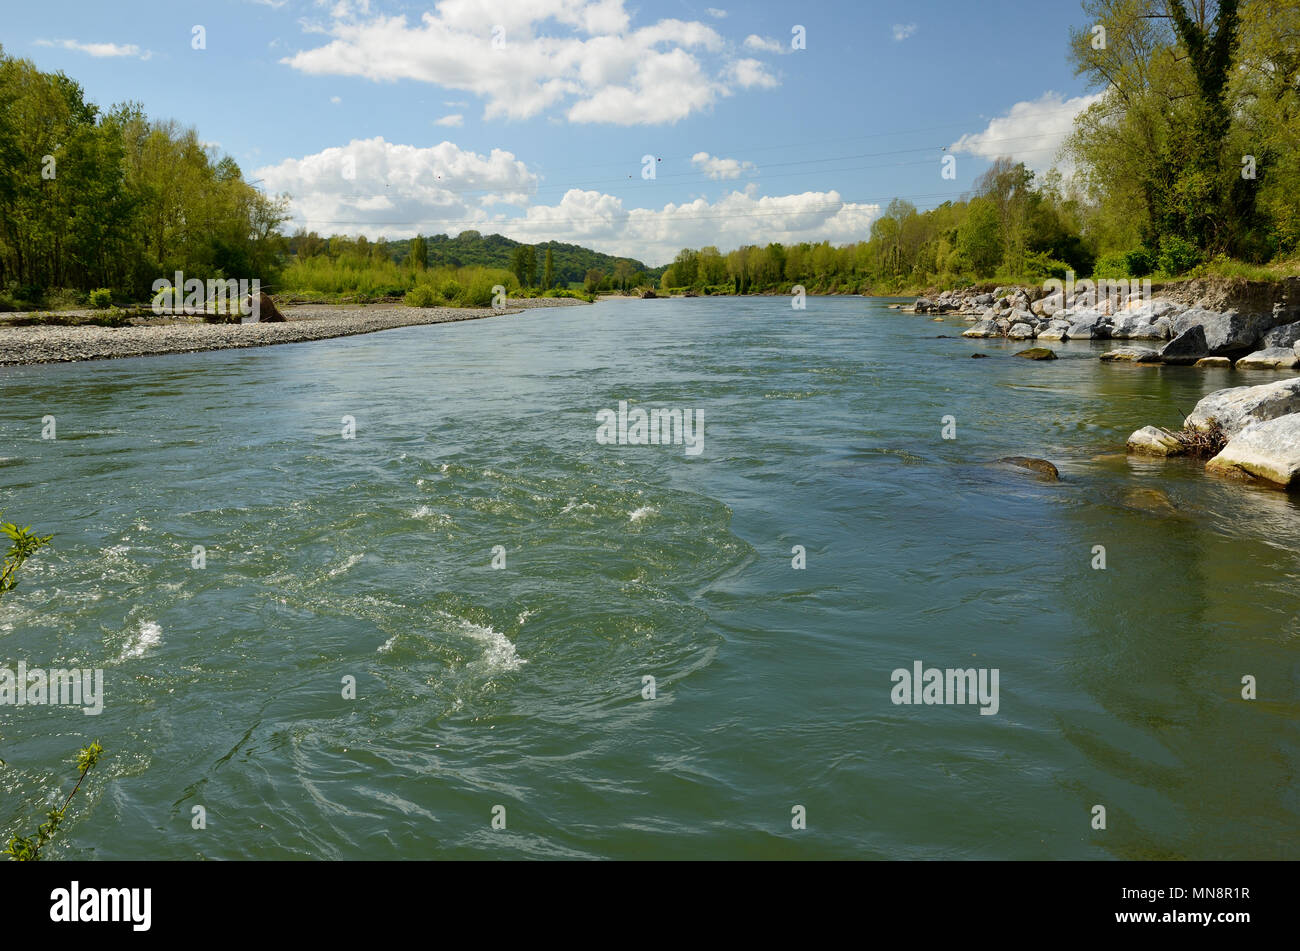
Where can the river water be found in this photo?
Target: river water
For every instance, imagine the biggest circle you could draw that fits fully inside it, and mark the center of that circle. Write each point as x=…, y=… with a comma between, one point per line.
x=523, y=687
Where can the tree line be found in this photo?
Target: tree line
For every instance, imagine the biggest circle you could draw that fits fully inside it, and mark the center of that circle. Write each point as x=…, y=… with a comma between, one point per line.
x=112, y=199
x=1189, y=160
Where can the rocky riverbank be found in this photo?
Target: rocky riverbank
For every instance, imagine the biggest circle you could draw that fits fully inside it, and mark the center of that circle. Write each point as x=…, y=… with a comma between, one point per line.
x=48, y=343
x=1252, y=324
x=1254, y=433
x=1249, y=432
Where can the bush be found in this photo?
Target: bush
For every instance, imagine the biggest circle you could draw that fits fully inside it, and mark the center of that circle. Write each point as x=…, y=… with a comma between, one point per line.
x=1113, y=266
x=1135, y=262
x=1177, y=255
x=479, y=292
x=1139, y=262
x=101, y=298
x=422, y=295
x=1039, y=266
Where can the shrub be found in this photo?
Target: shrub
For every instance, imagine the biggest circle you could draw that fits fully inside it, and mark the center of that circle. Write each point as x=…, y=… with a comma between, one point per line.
x=422, y=295
x=1114, y=266
x=1177, y=255
x=101, y=298
x=1139, y=262
x=1039, y=266
x=479, y=291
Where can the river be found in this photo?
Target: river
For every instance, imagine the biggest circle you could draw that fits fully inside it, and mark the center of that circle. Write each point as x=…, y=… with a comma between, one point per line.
x=517, y=696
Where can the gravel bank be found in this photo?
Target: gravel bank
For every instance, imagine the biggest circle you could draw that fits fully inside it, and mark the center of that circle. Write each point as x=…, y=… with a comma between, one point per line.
x=53, y=344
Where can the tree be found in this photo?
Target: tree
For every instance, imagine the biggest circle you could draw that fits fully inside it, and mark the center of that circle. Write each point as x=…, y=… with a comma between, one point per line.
x=979, y=239
x=519, y=264
x=548, y=271
x=419, y=253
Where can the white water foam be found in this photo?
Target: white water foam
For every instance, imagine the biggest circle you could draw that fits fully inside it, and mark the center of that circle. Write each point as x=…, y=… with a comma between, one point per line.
x=499, y=652
x=352, y=560
x=145, y=639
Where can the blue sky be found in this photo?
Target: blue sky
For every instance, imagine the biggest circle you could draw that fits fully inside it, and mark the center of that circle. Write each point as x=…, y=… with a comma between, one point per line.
x=390, y=117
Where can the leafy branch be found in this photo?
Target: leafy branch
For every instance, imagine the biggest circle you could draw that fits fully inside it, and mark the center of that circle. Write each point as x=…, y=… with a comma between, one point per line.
x=23, y=545
x=27, y=848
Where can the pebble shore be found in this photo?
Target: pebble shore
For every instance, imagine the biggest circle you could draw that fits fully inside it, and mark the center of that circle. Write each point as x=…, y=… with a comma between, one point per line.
x=56, y=344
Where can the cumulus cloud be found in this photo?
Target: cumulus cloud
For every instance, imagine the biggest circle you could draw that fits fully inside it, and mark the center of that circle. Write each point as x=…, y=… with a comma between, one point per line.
x=750, y=73
x=763, y=44
x=654, y=236
x=454, y=120
x=1030, y=132
x=719, y=168
x=375, y=187
x=98, y=49
x=382, y=189
x=903, y=30
x=524, y=57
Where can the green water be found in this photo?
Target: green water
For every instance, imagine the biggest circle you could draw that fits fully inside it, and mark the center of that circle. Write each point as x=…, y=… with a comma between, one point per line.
x=522, y=687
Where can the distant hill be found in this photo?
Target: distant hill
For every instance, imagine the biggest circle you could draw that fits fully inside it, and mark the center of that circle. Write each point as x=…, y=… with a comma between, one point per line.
x=571, y=261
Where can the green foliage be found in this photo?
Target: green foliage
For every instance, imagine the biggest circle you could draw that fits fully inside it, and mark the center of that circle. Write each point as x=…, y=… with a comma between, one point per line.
x=419, y=256
x=93, y=200
x=1194, y=137
x=459, y=287
x=101, y=298
x=28, y=848
x=979, y=238
x=1177, y=255
x=23, y=543
x=422, y=295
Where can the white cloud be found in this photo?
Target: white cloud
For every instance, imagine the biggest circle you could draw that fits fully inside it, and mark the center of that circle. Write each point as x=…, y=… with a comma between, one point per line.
x=98, y=49
x=750, y=73
x=654, y=236
x=716, y=13
x=903, y=30
x=579, y=56
x=763, y=44
x=719, y=168
x=1030, y=132
x=375, y=187
x=382, y=189
x=454, y=120
x=335, y=99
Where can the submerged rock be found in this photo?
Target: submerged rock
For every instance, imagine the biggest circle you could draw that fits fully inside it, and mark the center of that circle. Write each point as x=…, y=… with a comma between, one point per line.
x=1150, y=501
x=1268, y=450
x=1223, y=362
x=1153, y=441
x=1237, y=407
x=1132, y=355
x=1041, y=466
x=1037, y=353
